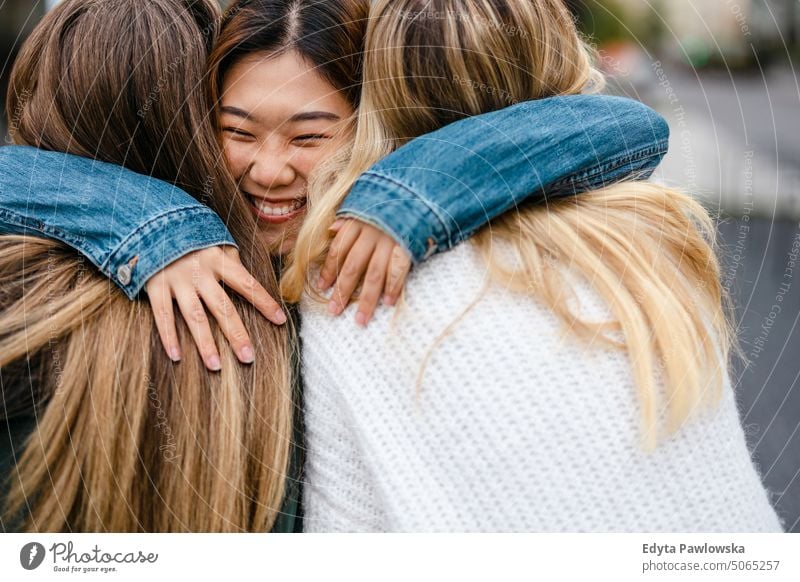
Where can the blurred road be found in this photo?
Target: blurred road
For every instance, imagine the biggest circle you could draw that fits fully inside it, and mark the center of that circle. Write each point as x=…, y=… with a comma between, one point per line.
x=735, y=137
x=762, y=273
x=735, y=143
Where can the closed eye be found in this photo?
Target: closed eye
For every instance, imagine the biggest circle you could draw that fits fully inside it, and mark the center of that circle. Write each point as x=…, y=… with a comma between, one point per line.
x=238, y=132
x=308, y=137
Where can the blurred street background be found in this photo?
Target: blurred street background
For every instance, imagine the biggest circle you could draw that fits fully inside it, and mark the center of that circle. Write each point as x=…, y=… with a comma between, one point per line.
x=725, y=75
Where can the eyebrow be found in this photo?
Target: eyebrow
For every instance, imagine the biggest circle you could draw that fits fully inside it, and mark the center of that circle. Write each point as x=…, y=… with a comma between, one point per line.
x=306, y=116
x=236, y=111
x=314, y=115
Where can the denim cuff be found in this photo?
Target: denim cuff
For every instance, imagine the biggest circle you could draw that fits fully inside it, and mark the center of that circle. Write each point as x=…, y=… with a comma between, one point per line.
x=146, y=251
x=398, y=210
x=160, y=242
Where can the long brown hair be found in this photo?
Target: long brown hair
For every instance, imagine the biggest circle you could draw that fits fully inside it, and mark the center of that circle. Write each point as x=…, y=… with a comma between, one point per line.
x=125, y=440
x=647, y=250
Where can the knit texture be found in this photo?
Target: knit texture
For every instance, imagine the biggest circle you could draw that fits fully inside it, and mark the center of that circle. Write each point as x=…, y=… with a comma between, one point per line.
x=516, y=426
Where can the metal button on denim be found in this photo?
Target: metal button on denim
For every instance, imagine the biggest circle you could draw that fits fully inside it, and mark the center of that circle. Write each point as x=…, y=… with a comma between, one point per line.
x=124, y=274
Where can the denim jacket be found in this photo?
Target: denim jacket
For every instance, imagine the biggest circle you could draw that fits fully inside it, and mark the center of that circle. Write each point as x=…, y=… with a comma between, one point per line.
x=429, y=195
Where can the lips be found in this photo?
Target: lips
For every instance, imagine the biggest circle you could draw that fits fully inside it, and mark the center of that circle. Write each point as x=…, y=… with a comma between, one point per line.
x=278, y=211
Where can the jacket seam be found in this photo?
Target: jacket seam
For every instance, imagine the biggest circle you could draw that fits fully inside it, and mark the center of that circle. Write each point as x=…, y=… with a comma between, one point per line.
x=380, y=177
x=154, y=223
x=79, y=243
x=617, y=162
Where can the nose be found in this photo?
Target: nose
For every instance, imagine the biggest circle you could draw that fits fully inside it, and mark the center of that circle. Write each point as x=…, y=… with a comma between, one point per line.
x=272, y=169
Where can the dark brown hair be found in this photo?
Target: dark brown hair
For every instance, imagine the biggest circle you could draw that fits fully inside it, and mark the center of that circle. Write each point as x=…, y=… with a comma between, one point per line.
x=329, y=34
x=124, y=439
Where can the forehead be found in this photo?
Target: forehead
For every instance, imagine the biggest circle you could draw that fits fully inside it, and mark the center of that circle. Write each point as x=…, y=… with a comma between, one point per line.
x=277, y=87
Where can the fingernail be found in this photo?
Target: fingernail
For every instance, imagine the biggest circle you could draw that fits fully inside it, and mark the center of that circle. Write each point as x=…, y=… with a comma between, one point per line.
x=390, y=301
x=361, y=319
x=175, y=354
x=214, y=364
x=247, y=356
x=321, y=285
x=280, y=317
x=333, y=308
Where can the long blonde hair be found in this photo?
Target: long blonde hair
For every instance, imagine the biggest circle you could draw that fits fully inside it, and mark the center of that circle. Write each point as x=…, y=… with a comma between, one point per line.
x=645, y=249
x=124, y=440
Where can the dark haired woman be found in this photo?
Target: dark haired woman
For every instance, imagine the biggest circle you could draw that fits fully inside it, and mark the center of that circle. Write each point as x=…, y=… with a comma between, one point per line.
x=100, y=432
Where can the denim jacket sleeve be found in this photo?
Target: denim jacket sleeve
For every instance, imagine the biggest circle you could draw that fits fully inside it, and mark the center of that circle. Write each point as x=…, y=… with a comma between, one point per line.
x=429, y=195
x=130, y=226
x=438, y=189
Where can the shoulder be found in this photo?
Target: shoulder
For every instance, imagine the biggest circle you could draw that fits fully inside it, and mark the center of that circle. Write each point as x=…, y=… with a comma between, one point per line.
x=451, y=302
x=436, y=293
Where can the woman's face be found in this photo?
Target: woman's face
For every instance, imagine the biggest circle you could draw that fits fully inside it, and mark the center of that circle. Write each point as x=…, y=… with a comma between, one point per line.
x=279, y=119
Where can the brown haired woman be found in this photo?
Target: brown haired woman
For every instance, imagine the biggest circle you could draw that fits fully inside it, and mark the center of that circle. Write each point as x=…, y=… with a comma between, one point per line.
x=115, y=437
x=122, y=440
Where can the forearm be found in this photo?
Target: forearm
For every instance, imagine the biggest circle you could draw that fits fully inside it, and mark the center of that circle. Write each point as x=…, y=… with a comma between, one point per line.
x=440, y=188
x=130, y=226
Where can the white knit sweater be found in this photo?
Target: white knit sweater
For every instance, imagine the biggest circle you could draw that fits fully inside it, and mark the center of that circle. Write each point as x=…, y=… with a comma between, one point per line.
x=515, y=429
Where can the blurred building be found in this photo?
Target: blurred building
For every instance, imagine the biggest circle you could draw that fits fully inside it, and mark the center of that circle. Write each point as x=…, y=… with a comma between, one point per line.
x=735, y=33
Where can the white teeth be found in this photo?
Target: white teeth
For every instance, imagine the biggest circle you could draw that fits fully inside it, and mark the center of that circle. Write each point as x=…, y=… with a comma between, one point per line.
x=269, y=210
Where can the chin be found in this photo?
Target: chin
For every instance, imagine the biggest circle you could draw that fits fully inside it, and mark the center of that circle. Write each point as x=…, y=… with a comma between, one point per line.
x=280, y=243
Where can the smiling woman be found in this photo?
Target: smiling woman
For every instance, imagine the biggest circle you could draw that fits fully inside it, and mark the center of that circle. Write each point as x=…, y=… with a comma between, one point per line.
x=286, y=81
x=279, y=118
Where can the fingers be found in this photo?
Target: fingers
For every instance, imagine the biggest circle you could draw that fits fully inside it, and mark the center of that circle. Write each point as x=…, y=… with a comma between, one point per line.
x=374, y=281
x=194, y=313
x=238, y=278
x=194, y=282
x=347, y=232
x=160, y=298
x=224, y=311
x=361, y=251
x=399, y=266
x=356, y=263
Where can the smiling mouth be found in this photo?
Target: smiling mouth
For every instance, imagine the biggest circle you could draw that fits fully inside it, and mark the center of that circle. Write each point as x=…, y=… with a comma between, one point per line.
x=276, y=211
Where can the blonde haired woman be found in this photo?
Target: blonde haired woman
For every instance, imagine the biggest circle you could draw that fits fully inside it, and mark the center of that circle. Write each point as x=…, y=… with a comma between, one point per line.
x=565, y=371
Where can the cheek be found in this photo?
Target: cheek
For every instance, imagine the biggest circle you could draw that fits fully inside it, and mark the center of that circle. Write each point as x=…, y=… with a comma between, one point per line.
x=237, y=156
x=305, y=160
